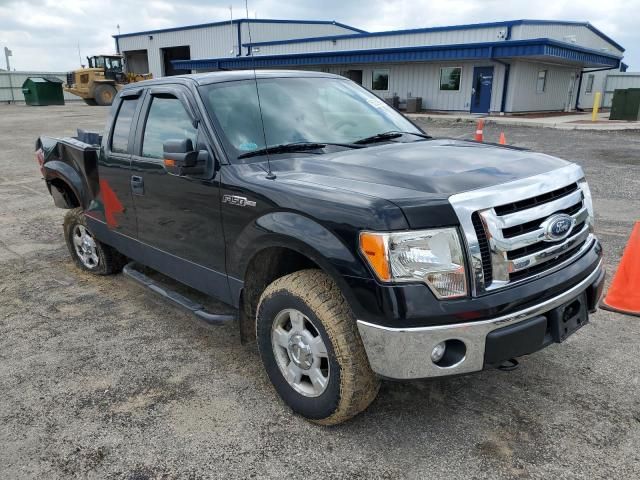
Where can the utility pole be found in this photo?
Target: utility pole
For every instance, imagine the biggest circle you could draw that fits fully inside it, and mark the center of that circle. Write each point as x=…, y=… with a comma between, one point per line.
x=8, y=53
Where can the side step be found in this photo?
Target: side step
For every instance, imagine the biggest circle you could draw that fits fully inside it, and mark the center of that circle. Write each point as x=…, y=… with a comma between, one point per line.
x=197, y=309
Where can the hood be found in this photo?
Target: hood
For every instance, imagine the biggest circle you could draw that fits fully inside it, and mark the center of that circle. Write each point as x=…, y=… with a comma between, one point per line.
x=432, y=168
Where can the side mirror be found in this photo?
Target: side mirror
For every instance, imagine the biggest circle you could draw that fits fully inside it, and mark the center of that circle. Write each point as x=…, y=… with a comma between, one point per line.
x=179, y=153
x=181, y=159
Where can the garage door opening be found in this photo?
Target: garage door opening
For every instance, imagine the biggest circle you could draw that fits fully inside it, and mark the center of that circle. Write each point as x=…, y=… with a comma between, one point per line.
x=136, y=61
x=174, y=53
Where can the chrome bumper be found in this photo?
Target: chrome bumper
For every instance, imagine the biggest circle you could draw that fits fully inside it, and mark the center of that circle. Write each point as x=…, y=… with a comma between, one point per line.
x=405, y=353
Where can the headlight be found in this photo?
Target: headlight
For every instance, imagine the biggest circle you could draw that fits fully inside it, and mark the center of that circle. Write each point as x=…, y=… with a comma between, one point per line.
x=434, y=257
x=588, y=202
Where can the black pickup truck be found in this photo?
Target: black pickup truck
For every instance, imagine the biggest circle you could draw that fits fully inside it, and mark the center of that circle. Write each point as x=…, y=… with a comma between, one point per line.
x=352, y=245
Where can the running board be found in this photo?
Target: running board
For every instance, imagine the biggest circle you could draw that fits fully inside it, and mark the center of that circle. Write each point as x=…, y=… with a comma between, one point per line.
x=197, y=309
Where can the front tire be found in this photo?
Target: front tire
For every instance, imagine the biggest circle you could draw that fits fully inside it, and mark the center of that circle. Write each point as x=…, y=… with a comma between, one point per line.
x=311, y=349
x=104, y=95
x=88, y=252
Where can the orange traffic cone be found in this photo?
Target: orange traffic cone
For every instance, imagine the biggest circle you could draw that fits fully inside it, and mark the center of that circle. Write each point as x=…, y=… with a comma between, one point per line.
x=624, y=294
x=479, y=129
x=503, y=139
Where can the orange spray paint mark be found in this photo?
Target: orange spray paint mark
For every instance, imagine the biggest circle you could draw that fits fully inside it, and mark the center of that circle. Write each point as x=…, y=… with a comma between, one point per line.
x=111, y=203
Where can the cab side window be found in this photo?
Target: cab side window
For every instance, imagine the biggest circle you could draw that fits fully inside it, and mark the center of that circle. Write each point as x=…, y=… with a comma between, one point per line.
x=167, y=120
x=122, y=127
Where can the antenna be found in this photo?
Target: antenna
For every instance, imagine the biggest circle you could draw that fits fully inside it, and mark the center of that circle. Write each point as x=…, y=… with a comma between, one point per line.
x=270, y=174
x=80, y=56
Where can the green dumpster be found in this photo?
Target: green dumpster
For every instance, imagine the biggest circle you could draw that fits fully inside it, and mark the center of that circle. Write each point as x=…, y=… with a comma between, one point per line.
x=625, y=104
x=46, y=90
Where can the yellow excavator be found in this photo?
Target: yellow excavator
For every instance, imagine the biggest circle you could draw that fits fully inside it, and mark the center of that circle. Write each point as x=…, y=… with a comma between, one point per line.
x=99, y=83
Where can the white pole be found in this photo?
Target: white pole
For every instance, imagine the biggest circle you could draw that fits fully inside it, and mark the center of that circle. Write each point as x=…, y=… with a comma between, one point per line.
x=7, y=54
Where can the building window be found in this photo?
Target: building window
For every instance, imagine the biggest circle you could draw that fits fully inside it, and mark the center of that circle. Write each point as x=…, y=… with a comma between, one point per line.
x=450, y=78
x=590, y=79
x=542, y=81
x=380, y=80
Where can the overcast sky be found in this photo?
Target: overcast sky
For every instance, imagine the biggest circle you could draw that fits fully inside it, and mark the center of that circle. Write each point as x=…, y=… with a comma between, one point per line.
x=44, y=34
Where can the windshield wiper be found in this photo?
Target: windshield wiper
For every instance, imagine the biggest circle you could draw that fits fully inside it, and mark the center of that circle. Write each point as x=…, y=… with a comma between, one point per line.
x=294, y=147
x=381, y=137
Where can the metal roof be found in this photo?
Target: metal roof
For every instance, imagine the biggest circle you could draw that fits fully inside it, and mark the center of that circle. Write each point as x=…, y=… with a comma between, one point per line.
x=508, y=23
x=236, y=22
x=539, y=49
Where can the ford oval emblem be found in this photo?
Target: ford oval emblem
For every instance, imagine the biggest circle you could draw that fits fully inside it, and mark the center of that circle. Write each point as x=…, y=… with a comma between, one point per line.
x=557, y=227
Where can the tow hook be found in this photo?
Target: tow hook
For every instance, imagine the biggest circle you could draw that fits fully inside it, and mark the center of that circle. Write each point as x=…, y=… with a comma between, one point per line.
x=509, y=365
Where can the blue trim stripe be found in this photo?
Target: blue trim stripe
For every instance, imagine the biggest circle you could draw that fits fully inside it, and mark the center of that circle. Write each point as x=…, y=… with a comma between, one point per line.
x=509, y=24
x=238, y=21
x=543, y=48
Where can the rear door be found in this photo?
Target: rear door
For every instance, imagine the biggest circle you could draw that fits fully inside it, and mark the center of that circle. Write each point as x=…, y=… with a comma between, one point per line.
x=178, y=216
x=114, y=203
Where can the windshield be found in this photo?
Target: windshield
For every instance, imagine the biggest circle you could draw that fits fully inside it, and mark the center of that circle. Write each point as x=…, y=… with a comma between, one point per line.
x=298, y=109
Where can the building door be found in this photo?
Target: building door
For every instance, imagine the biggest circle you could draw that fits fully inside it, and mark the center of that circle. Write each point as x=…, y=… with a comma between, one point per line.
x=570, y=97
x=481, y=89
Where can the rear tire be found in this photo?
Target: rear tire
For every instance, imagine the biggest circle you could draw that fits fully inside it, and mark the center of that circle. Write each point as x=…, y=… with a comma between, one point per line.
x=90, y=101
x=311, y=349
x=104, y=95
x=88, y=252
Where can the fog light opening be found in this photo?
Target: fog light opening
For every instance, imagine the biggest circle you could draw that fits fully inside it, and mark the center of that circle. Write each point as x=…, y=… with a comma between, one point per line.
x=448, y=353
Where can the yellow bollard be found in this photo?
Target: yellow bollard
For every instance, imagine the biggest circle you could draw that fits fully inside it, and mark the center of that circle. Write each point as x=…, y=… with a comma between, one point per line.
x=596, y=106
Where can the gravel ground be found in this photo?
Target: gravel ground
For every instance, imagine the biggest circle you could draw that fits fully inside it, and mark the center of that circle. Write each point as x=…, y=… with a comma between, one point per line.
x=101, y=379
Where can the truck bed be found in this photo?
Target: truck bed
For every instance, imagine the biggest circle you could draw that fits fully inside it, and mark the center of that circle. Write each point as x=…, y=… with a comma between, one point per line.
x=69, y=166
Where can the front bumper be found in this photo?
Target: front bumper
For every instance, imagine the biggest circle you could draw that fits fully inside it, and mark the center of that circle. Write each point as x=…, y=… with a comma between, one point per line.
x=405, y=353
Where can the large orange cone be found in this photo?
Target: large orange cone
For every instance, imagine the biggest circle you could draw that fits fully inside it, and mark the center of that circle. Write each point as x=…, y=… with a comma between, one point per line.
x=479, y=131
x=503, y=139
x=624, y=294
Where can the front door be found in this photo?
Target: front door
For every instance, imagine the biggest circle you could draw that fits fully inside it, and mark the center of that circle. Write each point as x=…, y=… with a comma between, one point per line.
x=178, y=215
x=481, y=89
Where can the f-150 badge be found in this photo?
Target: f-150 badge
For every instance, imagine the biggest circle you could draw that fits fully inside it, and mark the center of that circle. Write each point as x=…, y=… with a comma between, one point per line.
x=239, y=201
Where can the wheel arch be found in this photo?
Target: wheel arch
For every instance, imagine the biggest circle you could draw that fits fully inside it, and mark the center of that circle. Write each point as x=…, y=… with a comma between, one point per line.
x=65, y=185
x=271, y=248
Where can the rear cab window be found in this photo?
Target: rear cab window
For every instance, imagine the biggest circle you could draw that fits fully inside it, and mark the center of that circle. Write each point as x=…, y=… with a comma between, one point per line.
x=122, y=126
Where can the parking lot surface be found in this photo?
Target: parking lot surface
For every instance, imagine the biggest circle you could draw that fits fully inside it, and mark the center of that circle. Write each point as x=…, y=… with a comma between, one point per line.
x=102, y=379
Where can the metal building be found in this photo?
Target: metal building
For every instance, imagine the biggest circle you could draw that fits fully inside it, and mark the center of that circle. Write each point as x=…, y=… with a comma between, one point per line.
x=506, y=67
x=153, y=51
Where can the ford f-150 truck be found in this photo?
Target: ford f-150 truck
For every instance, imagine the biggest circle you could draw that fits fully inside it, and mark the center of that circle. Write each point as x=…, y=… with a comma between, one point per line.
x=352, y=245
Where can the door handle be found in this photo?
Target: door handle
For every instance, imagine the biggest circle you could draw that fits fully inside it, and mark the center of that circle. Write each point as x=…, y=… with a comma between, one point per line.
x=137, y=185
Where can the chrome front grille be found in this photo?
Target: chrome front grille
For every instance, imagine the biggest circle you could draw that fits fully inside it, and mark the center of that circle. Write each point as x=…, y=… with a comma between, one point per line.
x=505, y=227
